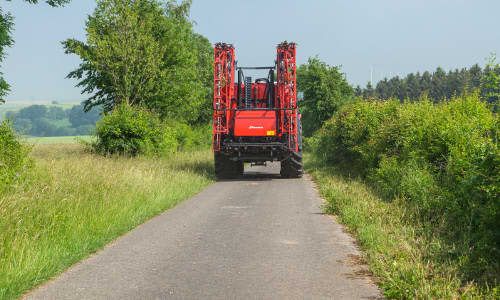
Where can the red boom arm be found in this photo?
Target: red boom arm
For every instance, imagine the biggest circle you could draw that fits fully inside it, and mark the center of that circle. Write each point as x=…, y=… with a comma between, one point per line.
x=223, y=90
x=287, y=92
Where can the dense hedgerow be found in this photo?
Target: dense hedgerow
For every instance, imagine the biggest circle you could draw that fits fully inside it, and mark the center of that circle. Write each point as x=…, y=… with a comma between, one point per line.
x=192, y=137
x=442, y=160
x=134, y=130
x=14, y=156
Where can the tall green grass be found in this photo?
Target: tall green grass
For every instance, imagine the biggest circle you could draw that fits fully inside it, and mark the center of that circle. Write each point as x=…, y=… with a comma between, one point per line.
x=408, y=259
x=438, y=168
x=75, y=202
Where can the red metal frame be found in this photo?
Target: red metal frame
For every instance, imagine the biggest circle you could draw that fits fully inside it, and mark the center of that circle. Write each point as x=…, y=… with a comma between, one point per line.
x=285, y=93
x=223, y=90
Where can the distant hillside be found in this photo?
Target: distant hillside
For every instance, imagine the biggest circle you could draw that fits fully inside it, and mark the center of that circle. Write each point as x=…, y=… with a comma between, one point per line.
x=55, y=119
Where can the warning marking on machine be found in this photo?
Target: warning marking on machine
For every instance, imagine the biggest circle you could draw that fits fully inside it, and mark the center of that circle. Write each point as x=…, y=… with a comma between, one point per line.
x=270, y=132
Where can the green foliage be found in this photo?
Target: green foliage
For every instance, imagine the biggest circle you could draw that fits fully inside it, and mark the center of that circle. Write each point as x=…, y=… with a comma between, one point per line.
x=6, y=25
x=55, y=113
x=409, y=259
x=133, y=131
x=142, y=52
x=205, y=64
x=78, y=117
x=50, y=2
x=41, y=120
x=325, y=90
x=439, y=85
x=14, y=157
x=192, y=137
x=443, y=160
x=490, y=83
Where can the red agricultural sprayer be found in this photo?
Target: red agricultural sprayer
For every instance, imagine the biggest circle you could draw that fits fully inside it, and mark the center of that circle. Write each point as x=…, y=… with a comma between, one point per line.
x=257, y=120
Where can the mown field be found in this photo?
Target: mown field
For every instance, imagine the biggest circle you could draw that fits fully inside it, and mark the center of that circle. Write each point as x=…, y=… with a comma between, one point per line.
x=74, y=202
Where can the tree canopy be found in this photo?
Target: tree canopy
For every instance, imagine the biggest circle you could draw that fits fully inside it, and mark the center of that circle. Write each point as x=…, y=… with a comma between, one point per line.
x=439, y=85
x=6, y=24
x=490, y=81
x=141, y=52
x=325, y=90
x=50, y=2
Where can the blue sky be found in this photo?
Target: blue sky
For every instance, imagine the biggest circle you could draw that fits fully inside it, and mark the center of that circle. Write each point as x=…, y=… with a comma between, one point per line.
x=394, y=37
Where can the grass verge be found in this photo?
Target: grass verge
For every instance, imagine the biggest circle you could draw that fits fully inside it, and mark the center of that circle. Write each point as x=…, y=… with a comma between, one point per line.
x=407, y=258
x=76, y=202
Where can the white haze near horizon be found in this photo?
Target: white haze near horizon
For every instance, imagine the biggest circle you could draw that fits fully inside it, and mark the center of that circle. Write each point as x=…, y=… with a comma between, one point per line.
x=390, y=37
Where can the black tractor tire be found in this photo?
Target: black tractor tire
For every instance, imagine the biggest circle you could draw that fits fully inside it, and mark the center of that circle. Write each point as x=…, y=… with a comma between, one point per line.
x=226, y=168
x=292, y=166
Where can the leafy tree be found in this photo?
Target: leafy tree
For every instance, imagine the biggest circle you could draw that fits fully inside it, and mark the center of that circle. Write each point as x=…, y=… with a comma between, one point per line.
x=122, y=57
x=438, y=85
x=22, y=125
x=425, y=83
x=382, y=88
x=55, y=113
x=43, y=127
x=475, y=76
x=396, y=88
x=67, y=131
x=205, y=74
x=50, y=2
x=78, y=117
x=438, y=91
x=491, y=81
x=32, y=112
x=6, y=26
x=141, y=52
x=325, y=91
x=368, y=92
x=358, y=91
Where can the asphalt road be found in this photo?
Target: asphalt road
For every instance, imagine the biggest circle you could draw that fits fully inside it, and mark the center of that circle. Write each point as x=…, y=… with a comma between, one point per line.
x=259, y=237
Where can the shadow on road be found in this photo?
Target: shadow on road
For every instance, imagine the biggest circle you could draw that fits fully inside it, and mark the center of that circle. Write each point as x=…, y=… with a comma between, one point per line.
x=259, y=173
x=254, y=176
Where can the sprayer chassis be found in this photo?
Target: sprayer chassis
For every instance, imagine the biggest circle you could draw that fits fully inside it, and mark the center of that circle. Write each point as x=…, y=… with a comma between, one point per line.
x=257, y=121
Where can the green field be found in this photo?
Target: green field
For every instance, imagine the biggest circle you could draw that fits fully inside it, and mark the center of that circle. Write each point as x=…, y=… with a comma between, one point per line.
x=58, y=139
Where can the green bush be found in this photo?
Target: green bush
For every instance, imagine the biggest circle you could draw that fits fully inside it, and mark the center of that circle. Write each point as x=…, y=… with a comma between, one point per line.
x=14, y=156
x=412, y=181
x=130, y=130
x=442, y=160
x=192, y=138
